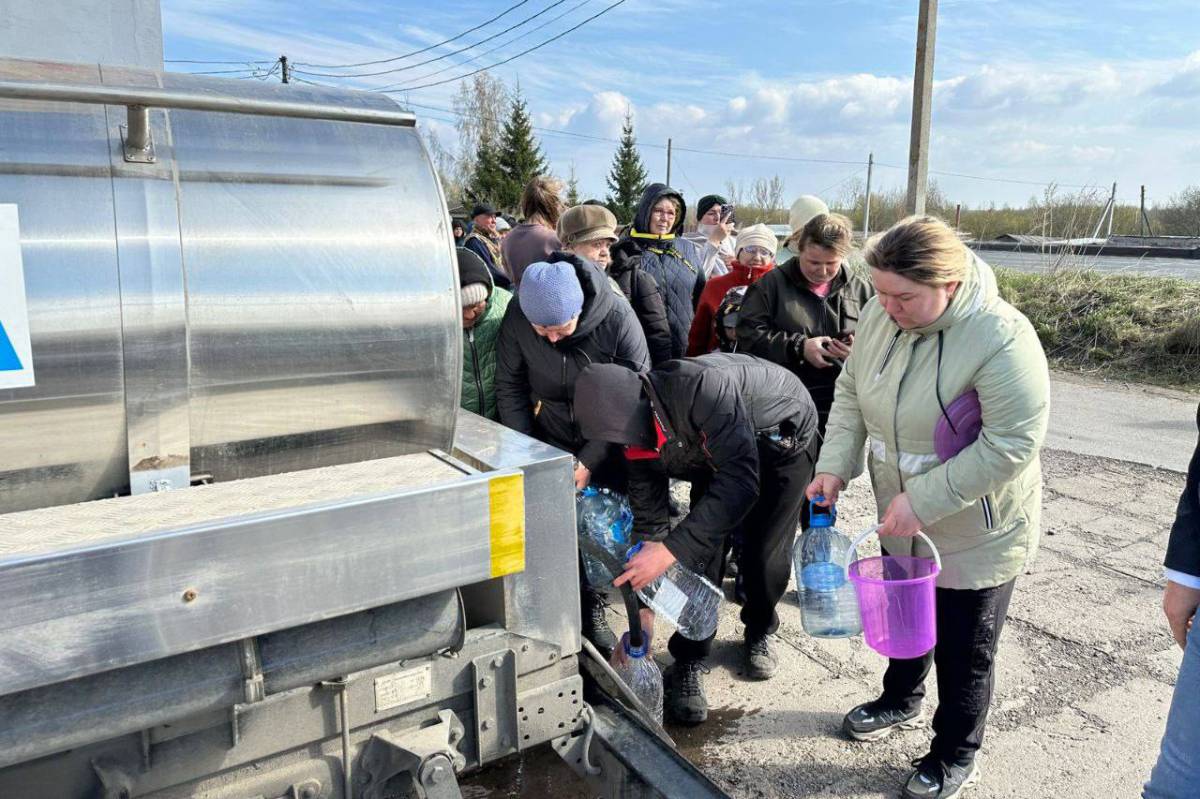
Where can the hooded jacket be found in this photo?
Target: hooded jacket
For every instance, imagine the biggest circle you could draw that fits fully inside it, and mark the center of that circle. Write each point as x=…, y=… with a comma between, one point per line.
x=535, y=380
x=1183, y=548
x=703, y=335
x=982, y=507
x=710, y=412
x=672, y=261
x=780, y=312
x=479, y=352
x=641, y=289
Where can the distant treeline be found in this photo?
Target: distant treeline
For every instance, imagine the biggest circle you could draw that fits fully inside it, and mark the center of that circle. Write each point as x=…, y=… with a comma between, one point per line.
x=1056, y=213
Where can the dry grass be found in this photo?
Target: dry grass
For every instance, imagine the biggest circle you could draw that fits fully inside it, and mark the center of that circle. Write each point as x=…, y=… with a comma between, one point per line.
x=1121, y=326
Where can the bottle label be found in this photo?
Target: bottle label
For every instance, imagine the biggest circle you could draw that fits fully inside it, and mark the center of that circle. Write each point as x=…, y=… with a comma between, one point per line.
x=670, y=600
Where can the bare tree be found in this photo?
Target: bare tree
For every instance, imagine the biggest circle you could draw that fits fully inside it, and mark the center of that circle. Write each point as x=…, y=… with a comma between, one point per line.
x=481, y=106
x=736, y=192
x=775, y=199
x=444, y=163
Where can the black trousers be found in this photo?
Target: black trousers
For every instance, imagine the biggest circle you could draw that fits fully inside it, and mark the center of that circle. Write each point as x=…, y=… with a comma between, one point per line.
x=768, y=531
x=968, y=632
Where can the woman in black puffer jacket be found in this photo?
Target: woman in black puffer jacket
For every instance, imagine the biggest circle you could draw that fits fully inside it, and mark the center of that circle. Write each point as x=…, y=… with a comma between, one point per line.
x=569, y=316
x=566, y=316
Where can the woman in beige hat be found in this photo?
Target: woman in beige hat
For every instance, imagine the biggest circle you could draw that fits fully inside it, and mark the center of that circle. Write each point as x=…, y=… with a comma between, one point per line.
x=588, y=231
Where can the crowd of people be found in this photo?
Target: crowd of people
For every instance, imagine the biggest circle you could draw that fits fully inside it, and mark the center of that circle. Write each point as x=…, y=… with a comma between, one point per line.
x=654, y=355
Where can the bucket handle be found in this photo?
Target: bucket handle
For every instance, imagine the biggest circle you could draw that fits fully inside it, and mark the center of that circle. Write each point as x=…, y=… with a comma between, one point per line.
x=874, y=529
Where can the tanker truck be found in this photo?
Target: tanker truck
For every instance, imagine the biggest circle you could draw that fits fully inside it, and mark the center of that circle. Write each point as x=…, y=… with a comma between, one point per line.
x=249, y=546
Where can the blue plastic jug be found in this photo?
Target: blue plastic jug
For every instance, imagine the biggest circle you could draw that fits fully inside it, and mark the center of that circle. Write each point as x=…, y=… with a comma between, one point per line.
x=828, y=605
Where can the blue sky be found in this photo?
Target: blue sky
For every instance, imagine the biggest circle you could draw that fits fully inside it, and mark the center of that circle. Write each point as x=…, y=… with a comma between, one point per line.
x=1067, y=91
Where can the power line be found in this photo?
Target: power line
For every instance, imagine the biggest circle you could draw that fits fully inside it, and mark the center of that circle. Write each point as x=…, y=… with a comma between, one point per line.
x=191, y=61
x=993, y=180
x=224, y=71
x=487, y=52
x=771, y=157
x=527, y=51
x=415, y=52
x=436, y=58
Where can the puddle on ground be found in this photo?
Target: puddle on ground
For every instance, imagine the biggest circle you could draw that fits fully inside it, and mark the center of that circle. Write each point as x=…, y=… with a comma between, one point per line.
x=540, y=773
x=536, y=774
x=721, y=721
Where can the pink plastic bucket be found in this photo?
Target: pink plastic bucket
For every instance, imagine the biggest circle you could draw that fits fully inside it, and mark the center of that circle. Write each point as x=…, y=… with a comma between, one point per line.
x=897, y=601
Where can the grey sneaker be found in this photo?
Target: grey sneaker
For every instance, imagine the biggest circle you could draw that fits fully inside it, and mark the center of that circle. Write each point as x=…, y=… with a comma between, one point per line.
x=761, y=658
x=872, y=721
x=684, y=698
x=934, y=779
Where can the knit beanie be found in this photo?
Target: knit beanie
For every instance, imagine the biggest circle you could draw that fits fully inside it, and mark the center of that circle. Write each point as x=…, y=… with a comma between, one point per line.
x=757, y=235
x=473, y=294
x=550, y=294
x=708, y=201
x=805, y=208
x=473, y=277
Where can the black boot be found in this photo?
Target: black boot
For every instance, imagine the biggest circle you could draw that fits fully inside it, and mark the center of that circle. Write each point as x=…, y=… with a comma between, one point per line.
x=684, y=700
x=595, y=624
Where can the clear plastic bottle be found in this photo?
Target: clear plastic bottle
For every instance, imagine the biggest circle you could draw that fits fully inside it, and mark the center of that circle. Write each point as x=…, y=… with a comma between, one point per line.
x=828, y=605
x=602, y=517
x=685, y=599
x=638, y=670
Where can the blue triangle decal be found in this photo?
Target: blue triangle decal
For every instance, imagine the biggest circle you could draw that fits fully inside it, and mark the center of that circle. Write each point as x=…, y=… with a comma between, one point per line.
x=9, y=362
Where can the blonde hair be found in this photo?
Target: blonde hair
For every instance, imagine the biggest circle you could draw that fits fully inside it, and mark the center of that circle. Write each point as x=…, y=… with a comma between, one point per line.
x=542, y=199
x=923, y=249
x=831, y=231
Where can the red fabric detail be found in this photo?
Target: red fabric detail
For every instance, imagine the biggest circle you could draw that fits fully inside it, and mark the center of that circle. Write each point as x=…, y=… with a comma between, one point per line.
x=702, y=338
x=643, y=454
x=820, y=289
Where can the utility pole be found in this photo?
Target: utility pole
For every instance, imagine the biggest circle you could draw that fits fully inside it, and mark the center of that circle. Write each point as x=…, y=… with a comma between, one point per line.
x=283, y=68
x=1142, y=214
x=1112, y=209
x=867, y=201
x=668, y=162
x=922, y=106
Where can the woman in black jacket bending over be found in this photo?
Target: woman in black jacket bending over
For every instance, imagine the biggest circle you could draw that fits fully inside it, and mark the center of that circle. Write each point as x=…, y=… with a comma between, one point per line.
x=566, y=316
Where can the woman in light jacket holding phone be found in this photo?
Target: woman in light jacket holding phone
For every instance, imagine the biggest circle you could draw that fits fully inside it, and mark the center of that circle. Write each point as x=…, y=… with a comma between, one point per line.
x=971, y=481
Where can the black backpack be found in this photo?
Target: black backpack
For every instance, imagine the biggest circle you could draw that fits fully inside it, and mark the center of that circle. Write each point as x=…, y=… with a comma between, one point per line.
x=726, y=318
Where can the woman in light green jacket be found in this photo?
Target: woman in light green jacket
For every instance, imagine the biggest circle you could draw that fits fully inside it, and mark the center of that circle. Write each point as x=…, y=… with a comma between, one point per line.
x=936, y=330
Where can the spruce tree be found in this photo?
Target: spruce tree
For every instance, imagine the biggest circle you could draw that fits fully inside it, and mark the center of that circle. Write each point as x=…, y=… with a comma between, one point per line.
x=573, y=188
x=627, y=179
x=488, y=180
x=520, y=156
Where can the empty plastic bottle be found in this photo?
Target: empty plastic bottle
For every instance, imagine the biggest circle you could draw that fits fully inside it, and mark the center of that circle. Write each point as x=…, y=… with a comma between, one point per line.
x=828, y=605
x=603, y=518
x=685, y=599
x=638, y=670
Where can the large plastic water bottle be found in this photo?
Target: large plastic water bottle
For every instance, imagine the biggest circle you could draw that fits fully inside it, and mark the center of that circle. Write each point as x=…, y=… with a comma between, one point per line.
x=828, y=606
x=685, y=599
x=638, y=670
x=603, y=518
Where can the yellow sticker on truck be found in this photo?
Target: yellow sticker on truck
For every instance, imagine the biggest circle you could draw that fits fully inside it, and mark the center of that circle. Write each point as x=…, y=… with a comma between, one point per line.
x=507, y=495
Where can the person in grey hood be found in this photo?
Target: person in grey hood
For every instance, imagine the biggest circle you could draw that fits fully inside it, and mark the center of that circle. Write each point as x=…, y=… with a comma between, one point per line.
x=670, y=259
x=741, y=429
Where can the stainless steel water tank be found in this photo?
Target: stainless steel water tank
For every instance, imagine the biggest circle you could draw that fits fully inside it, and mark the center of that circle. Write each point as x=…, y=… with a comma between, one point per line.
x=268, y=285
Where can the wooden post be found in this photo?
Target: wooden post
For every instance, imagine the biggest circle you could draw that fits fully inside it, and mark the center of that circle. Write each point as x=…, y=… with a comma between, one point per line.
x=918, y=146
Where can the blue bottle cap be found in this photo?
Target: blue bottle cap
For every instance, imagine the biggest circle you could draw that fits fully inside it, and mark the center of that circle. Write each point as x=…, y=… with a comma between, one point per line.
x=819, y=516
x=635, y=651
x=633, y=550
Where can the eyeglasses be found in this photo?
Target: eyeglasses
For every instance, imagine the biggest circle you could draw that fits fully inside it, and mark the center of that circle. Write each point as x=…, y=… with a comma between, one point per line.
x=761, y=252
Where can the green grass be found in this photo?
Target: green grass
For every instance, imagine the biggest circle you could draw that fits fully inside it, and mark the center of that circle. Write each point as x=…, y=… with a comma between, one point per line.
x=1126, y=327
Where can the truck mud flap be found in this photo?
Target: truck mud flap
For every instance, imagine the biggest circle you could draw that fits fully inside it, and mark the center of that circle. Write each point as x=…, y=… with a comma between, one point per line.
x=622, y=756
